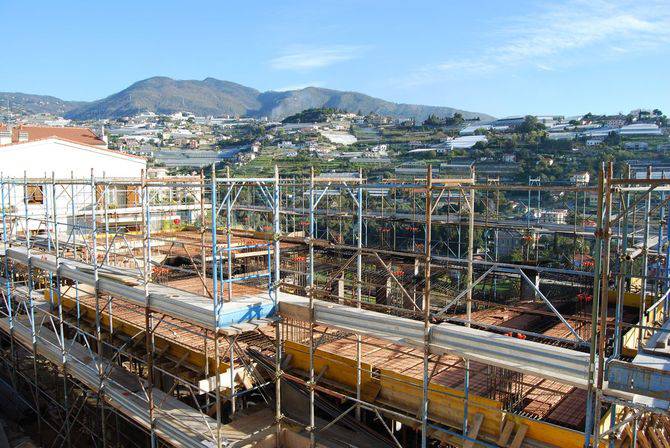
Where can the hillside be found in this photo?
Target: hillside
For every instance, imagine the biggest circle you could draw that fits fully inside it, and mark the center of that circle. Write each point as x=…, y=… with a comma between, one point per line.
x=37, y=104
x=165, y=95
x=215, y=97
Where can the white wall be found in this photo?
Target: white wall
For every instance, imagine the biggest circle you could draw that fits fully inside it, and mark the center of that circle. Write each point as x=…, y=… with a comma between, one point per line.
x=62, y=158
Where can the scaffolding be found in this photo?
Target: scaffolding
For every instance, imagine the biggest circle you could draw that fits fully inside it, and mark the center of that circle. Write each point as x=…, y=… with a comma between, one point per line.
x=335, y=309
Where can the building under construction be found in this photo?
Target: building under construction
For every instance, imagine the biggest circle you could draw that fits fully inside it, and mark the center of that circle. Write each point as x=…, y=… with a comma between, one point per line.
x=336, y=310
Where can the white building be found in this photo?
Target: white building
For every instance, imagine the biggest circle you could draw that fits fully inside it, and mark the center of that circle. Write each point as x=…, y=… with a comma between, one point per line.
x=550, y=120
x=636, y=146
x=595, y=141
x=65, y=158
x=561, y=135
x=641, y=129
x=581, y=178
x=557, y=216
x=62, y=159
x=285, y=144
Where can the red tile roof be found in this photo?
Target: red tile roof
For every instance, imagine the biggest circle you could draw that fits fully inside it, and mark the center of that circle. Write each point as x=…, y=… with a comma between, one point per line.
x=78, y=135
x=99, y=148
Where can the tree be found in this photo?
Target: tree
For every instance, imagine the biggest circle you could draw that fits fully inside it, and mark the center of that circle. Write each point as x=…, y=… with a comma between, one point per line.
x=455, y=120
x=479, y=145
x=433, y=120
x=613, y=139
x=530, y=124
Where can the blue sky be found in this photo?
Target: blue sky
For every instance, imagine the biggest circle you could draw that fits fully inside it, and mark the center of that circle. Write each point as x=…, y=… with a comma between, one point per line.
x=498, y=57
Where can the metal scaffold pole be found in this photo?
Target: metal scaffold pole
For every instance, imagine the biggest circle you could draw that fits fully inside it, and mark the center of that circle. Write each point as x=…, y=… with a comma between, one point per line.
x=31, y=305
x=203, y=256
x=426, y=308
x=229, y=254
x=5, y=190
x=645, y=259
x=217, y=307
x=229, y=266
x=589, y=427
x=604, y=299
x=468, y=297
x=276, y=281
x=148, y=317
x=359, y=281
x=98, y=322
x=622, y=263
x=310, y=292
x=55, y=295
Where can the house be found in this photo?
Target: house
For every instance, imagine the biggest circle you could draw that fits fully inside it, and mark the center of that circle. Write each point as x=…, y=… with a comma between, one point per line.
x=22, y=133
x=558, y=216
x=509, y=158
x=64, y=159
x=286, y=144
x=636, y=146
x=616, y=122
x=595, y=141
x=550, y=120
x=581, y=178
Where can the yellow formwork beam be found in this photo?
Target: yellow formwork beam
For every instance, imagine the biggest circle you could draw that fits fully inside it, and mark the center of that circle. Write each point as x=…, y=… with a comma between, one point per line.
x=445, y=404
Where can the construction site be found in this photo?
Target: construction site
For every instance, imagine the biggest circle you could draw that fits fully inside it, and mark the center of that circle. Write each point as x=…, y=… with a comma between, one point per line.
x=336, y=310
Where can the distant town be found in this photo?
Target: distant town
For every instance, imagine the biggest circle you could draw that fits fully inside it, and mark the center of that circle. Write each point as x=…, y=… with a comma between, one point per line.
x=531, y=148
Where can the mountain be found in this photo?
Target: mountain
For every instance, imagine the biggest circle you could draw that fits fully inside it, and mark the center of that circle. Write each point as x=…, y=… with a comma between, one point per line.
x=211, y=96
x=165, y=96
x=279, y=105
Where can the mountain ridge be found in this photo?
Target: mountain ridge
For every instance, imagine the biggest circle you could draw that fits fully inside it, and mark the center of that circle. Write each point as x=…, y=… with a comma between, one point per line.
x=211, y=96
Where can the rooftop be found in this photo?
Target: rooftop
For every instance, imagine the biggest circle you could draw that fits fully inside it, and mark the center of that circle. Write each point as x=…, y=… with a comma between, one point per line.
x=76, y=134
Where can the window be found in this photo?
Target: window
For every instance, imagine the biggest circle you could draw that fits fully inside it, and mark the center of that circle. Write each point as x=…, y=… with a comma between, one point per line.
x=35, y=194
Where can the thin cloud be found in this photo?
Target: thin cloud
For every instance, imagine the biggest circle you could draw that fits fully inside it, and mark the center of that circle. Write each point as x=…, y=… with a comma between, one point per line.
x=561, y=36
x=304, y=58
